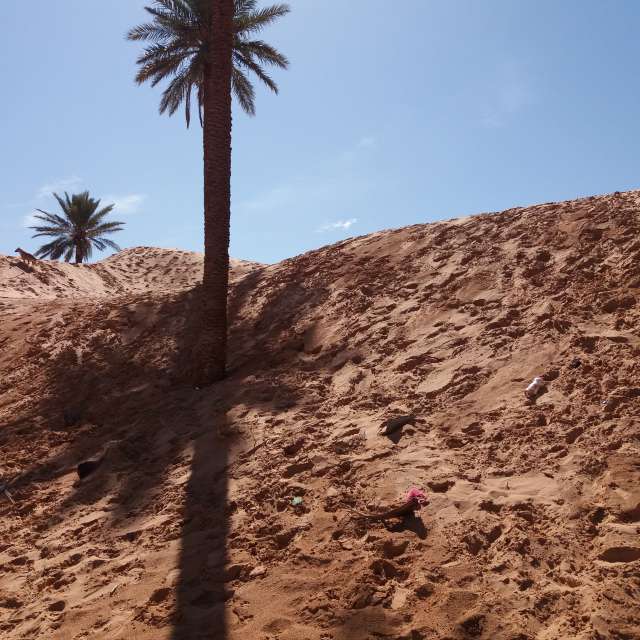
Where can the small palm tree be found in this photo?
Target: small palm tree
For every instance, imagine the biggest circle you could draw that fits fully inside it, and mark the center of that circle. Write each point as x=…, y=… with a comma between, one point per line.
x=78, y=230
x=207, y=47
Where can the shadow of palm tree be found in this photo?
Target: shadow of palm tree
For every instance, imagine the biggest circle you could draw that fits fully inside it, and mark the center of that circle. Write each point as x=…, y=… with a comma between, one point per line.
x=127, y=395
x=202, y=589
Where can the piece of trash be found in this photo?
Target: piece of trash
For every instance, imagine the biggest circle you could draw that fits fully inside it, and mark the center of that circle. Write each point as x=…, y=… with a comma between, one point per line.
x=87, y=467
x=414, y=494
x=393, y=424
x=296, y=501
x=609, y=404
x=415, y=499
x=534, y=388
x=259, y=571
x=575, y=363
x=4, y=489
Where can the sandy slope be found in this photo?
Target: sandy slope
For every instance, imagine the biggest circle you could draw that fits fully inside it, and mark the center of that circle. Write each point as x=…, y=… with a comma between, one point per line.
x=188, y=530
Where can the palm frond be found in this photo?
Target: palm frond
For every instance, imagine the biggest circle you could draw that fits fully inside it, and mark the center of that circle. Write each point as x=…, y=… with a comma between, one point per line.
x=98, y=216
x=49, y=232
x=244, y=6
x=243, y=90
x=51, y=218
x=264, y=52
x=86, y=249
x=157, y=63
x=150, y=32
x=102, y=243
x=107, y=227
x=257, y=69
x=54, y=249
x=178, y=91
x=252, y=20
x=65, y=204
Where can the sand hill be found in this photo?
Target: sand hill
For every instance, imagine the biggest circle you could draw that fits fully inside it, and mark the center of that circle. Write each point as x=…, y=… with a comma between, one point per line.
x=224, y=512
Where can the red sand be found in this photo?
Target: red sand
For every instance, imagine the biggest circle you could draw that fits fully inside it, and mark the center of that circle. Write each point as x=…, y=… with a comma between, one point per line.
x=188, y=530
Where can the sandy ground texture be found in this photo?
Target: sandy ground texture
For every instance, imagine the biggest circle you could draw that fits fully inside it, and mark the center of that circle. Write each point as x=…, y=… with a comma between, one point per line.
x=224, y=512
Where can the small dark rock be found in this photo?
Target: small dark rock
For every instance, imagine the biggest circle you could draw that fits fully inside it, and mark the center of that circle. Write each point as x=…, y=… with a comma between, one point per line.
x=159, y=595
x=474, y=544
x=297, y=467
x=393, y=548
x=493, y=534
x=524, y=584
x=424, y=590
x=384, y=570
x=362, y=597
x=490, y=506
x=455, y=443
x=473, y=625
x=284, y=538
x=88, y=467
x=440, y=486
x=10, y=603
x=393, y=424
x=294, y=447
x=598, y=515
x=59, y=605
x=572, y=435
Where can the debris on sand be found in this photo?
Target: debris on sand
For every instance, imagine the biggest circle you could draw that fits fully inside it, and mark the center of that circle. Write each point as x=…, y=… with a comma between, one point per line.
x=393, y=424
x=414, y=500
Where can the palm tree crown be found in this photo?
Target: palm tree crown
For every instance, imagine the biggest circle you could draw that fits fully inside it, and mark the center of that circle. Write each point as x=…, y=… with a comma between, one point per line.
x=179, y=47
x=79, y=229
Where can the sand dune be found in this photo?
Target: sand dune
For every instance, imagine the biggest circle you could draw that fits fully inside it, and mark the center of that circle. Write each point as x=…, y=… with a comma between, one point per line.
x=139, y=270
x=189, y=528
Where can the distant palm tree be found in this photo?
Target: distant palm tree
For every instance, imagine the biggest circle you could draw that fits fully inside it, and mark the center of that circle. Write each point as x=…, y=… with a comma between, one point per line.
x=207, y=47
x=78, y=230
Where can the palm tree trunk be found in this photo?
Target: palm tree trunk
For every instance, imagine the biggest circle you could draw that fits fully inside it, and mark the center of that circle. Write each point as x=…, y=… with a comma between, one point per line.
x=217, y=193
x=78, y=255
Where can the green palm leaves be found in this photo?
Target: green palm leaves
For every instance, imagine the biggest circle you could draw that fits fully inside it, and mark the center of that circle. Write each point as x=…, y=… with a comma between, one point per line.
x=79, y=229
x=177, y=51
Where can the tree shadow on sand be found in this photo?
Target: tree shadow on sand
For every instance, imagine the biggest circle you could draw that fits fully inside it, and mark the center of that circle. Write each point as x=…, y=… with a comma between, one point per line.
x=128, y=387
x=124, y=397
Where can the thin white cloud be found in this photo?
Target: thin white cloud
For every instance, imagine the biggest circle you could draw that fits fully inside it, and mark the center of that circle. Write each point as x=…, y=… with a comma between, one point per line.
x=363, y=145
x=58, y=186
x=125, y=205
x=512, y=92
x=270, y=200
x=367, y=142
x=30, y=220
x=339, y=225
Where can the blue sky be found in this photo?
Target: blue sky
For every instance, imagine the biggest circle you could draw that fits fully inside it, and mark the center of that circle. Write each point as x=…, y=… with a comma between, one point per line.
x=391, y=114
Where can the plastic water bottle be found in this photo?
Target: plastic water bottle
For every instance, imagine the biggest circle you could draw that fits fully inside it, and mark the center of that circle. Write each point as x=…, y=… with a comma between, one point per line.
x=534, y=388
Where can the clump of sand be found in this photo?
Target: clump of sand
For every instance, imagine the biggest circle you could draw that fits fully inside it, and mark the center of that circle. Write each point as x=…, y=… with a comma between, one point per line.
x=189, y=529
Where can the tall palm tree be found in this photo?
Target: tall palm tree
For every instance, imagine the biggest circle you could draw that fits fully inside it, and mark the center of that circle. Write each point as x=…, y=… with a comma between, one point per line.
x=81, y=228
x=207, y=47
